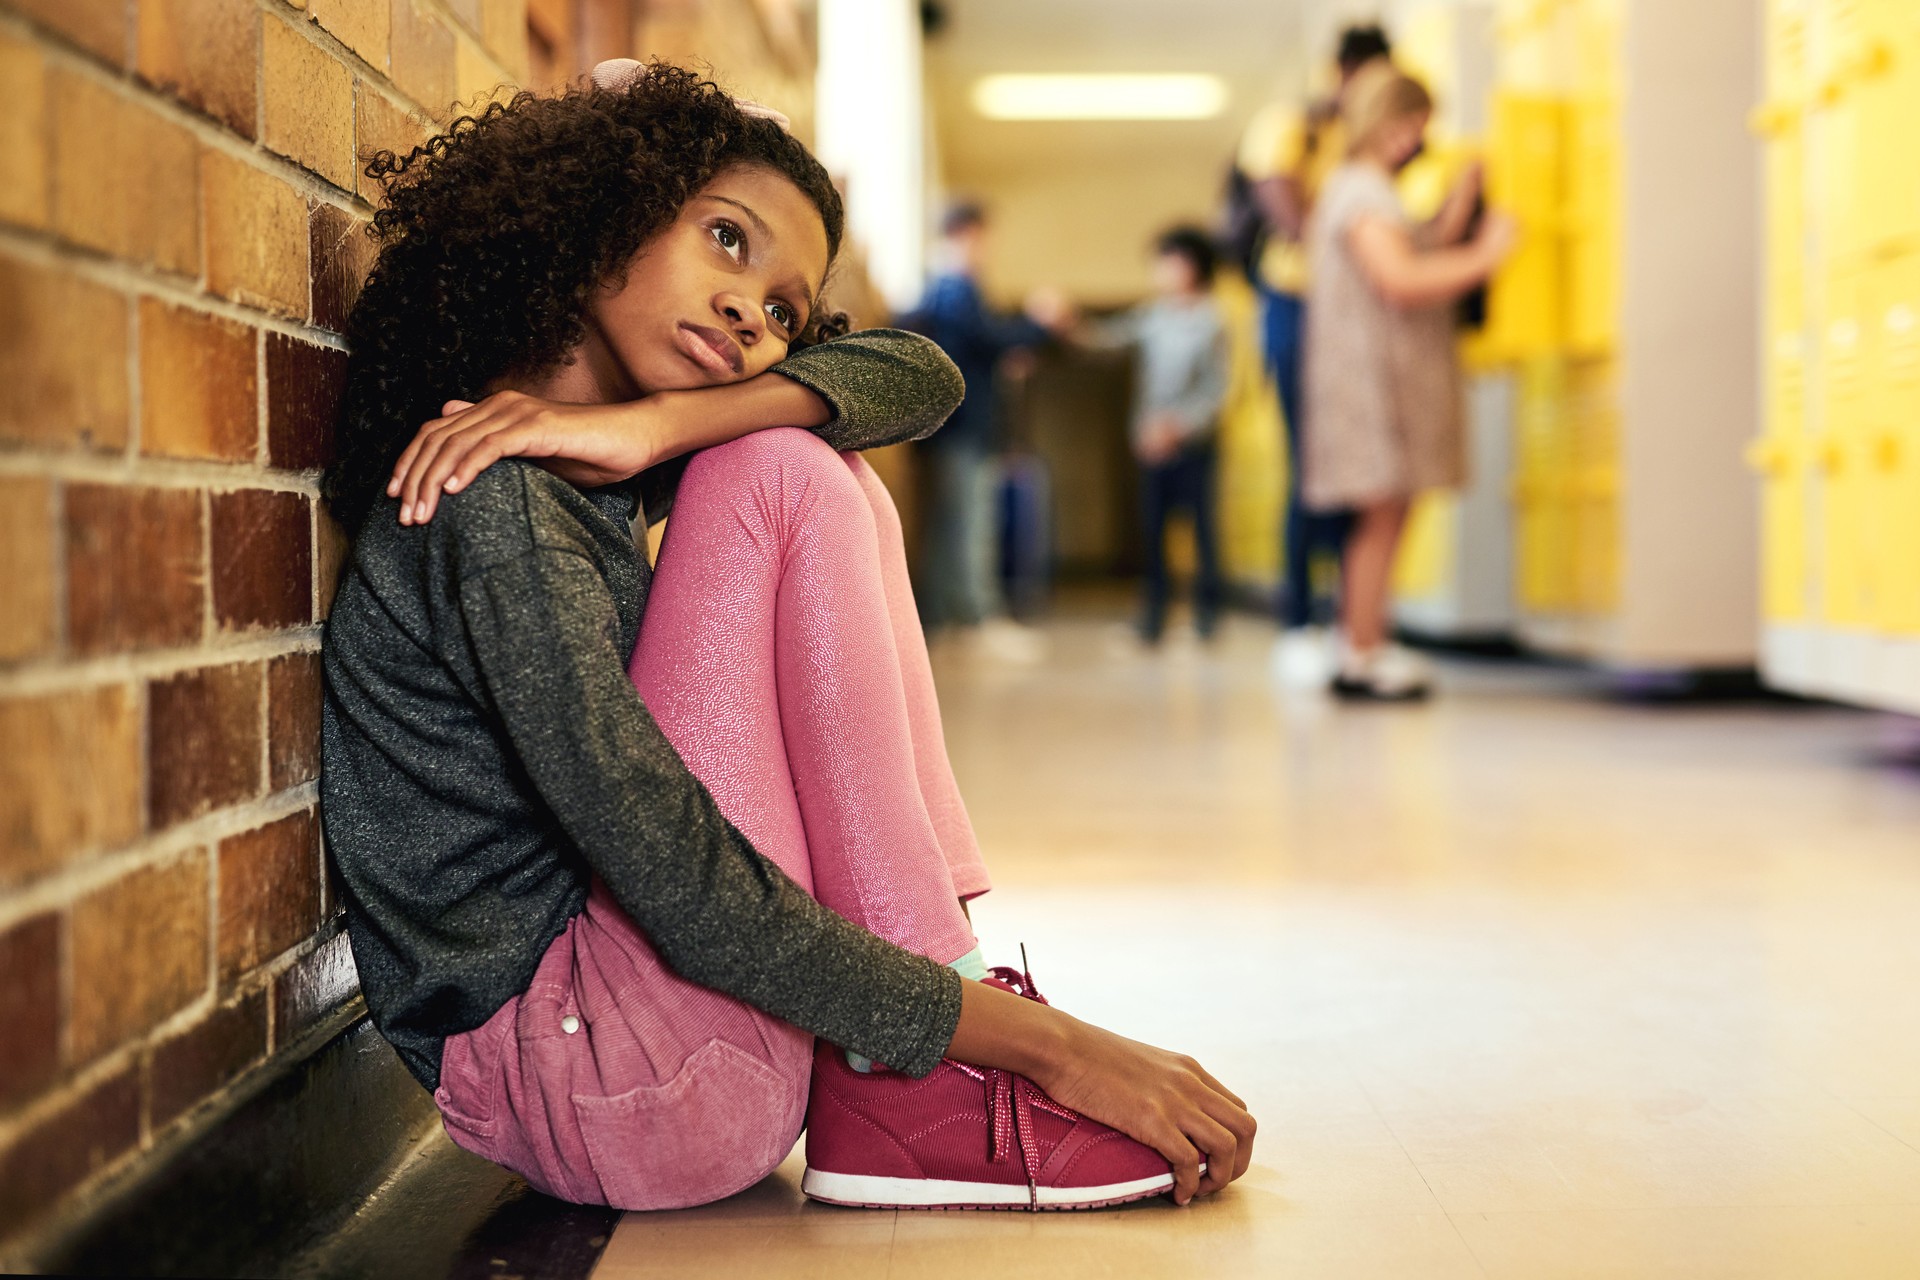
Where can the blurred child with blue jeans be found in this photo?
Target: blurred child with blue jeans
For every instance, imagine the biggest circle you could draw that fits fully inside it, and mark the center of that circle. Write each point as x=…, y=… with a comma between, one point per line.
x=1180, y=382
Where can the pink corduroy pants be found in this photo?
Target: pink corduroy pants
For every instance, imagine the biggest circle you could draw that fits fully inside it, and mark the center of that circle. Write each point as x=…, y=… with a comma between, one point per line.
x=782, y=656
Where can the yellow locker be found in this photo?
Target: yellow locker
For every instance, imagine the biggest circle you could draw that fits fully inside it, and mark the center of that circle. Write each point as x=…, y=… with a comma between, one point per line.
x=1594, y=212
x=1891, y=532
x=1837, y=111
x=1780, y=455
x=1593, y=483
x=1545, y=565
x=1525, y=178
x=1841, y=447
x=1593, y=226
x=1781, y=462
x=1899, y=27
x=1883, y=182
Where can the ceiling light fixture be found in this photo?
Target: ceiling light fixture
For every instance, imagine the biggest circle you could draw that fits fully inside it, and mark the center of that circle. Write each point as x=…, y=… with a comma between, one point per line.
x=1100, y=97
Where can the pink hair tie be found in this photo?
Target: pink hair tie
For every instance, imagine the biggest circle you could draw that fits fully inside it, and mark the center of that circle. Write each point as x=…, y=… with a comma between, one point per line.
x=618, y=74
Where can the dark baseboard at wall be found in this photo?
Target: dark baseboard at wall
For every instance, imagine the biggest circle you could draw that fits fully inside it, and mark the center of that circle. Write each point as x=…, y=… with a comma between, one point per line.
x=337, y=1167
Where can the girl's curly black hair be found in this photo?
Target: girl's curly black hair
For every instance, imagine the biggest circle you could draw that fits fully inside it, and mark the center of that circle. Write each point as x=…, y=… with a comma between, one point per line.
x=495, y=235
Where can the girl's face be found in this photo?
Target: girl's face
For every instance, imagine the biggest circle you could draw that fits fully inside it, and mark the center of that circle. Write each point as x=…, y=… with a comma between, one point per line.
x=1402, y=140
x=722, y=293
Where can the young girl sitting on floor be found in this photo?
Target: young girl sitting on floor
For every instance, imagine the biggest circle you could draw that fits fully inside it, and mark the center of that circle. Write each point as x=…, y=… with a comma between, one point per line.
x=619, y=843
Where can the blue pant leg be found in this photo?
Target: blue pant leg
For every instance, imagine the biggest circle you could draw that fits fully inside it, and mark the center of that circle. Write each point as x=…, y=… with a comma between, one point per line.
x=1158, y=484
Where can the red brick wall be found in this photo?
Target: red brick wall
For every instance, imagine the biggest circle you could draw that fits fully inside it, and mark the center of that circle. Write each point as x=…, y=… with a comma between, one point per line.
x=180, y=238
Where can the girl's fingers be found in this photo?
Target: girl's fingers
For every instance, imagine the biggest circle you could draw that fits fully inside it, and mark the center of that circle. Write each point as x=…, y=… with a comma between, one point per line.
x=413, y=490
x=1222, y=1148
x=405, y=461
x=1185, y=1159
x=428, y=446
x=508, y=442
x=449, y=411
x=456, y=457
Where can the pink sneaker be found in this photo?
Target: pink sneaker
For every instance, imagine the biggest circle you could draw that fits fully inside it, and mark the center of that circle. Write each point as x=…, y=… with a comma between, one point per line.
x=964, y=1138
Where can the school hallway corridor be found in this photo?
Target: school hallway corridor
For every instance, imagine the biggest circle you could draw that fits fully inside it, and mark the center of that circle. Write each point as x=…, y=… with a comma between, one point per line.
x=1528, y=983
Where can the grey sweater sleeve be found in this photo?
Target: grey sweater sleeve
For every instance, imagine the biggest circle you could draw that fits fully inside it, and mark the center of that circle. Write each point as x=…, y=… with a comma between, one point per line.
x=885, y=386
x=718, y=912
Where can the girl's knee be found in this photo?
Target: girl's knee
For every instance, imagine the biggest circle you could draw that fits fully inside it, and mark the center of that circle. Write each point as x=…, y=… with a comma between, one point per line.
x=778, y=448
x=785, y=472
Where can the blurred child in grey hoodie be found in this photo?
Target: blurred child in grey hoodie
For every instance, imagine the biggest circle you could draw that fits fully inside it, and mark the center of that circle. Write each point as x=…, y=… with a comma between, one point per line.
x=1180, y=382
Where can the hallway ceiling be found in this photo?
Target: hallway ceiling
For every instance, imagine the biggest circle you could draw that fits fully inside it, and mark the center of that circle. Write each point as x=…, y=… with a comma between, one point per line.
x=1251, y=45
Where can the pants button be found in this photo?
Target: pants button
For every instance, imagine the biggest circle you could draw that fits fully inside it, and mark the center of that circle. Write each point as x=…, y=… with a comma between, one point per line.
x=569, y=1024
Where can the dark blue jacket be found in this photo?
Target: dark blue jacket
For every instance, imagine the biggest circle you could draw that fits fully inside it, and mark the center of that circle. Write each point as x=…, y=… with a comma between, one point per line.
x=953, y=314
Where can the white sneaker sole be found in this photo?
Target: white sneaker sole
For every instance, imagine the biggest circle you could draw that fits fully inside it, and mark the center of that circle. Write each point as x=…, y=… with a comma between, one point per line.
x=860, y=1192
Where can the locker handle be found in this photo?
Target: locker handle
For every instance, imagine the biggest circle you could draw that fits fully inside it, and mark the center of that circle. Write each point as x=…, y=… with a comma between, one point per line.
x=1873, y=60
x=1772, y=119
x=1769, y=457
x=1831, y=456
x=1886, y=452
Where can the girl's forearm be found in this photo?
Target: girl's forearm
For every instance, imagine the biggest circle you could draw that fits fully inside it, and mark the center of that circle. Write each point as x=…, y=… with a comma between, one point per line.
x=1000, y=1029
x=1433, y=278
x=706, y=416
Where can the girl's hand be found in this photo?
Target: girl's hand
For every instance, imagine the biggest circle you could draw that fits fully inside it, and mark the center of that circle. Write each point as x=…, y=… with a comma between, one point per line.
x=1165, y=1100
x=583, y=444
x=1498, y=236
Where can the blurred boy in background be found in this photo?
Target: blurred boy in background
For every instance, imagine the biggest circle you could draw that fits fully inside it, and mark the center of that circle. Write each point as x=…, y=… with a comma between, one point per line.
x=958, y=586
x=1180, y=384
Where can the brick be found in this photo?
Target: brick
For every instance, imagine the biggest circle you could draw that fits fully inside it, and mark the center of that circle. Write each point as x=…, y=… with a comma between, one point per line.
x=468, y=11
x=316, y=985
x=422, y=56
x=69, y=777
x=196, y=1064
x=63, y=359
x=23, y=134
x=380, y=126
x=205, y=53
x=125, y=181
x=136, y=573
x=199, y=386
x=28, y=567
x=269, y=892
x=256, y=236
x=477, y=79
x=305, y=383
x=29, y=1007
x=361, y=25
x=342, y=253
x=308, y=115
x=293, y=720
x=503, y=27
x=98, y=26
x=139, y=953
x=262, y=543
x=203, y=741
x=334, y=546
x=66, y=1148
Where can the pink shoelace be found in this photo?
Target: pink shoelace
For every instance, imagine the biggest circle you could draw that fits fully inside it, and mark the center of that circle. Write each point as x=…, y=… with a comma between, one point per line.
x=1011, y=1098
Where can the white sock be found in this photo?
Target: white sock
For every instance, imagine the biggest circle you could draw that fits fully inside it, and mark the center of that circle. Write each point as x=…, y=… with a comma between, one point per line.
x=972, y=966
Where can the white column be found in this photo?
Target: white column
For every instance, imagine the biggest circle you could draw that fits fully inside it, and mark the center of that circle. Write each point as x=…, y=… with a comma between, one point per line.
x=869, y=95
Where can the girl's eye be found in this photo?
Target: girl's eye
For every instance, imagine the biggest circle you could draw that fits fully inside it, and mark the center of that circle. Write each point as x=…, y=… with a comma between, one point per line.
x=782, y=315
x=730, y=239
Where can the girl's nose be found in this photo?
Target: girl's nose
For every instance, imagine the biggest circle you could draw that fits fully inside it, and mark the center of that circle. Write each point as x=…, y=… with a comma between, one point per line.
x=743, y=317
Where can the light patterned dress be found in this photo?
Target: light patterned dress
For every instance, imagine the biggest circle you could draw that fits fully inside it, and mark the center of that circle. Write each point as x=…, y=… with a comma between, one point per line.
x=1382, y=413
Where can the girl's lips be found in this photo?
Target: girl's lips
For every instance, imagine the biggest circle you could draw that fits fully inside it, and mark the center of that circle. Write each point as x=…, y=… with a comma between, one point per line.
x=709, y=348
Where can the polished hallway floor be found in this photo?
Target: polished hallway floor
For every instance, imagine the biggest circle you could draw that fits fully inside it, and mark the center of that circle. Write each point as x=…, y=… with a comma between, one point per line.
x=1524, y=984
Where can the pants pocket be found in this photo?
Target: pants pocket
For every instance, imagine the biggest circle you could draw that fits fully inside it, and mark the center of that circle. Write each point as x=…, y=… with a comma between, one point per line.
x=719, y=1126
x=470, y=1084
